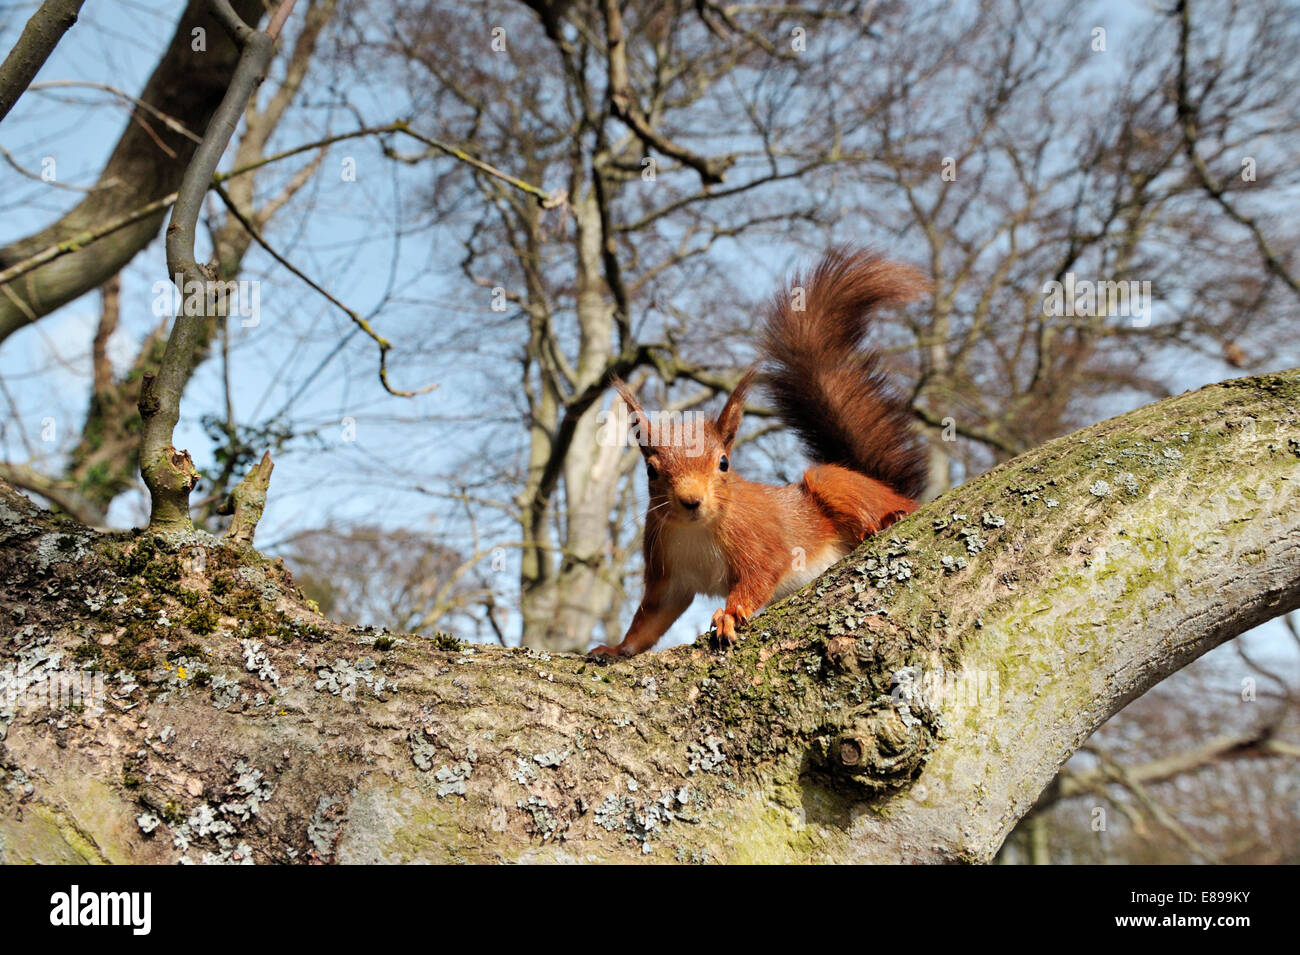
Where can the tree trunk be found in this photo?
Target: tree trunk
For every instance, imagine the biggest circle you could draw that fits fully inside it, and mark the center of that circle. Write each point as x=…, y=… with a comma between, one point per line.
x=909, y=706
x=575, y=587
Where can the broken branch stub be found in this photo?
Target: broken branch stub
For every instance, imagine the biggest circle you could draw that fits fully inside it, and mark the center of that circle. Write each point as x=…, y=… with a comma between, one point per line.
x=247, y=501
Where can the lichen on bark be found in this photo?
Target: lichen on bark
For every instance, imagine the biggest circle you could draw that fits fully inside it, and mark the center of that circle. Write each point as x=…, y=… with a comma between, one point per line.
x=908, y=706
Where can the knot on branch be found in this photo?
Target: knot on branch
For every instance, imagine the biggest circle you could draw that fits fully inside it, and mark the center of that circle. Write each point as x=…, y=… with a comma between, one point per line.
x=187, y=476
x=880, y=750
x=883, y=744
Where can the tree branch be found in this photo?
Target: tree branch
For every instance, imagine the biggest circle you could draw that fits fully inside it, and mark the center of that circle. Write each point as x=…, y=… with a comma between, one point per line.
x=359, y=320
x=1188, y=123
x=903, y=707
x=168, y=473
x=247, y=501
x=35, y=44
x=1258, y=743
x=63, y=494
x=146, y=166
x=80, y=240
x=622, y=103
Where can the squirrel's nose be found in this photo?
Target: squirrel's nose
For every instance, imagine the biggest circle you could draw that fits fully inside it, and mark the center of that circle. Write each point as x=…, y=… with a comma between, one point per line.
x=690, y=503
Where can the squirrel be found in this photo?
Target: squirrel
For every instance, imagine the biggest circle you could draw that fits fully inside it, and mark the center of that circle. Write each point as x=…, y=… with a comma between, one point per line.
x=707, y=530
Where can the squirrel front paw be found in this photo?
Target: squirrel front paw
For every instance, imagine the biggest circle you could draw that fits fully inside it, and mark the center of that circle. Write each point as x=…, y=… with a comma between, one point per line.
x=724, y=626
x=604, y=655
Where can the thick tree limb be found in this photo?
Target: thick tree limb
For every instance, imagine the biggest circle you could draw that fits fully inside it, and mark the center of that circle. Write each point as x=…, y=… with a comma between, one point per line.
x=903, y=708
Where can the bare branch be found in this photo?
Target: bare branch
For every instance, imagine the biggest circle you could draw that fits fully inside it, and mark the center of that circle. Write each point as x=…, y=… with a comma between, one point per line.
x=35, y=44
x=169, y=473
x=146, y=164
x=64, y=494
x=622, y=103
x=1188, y=124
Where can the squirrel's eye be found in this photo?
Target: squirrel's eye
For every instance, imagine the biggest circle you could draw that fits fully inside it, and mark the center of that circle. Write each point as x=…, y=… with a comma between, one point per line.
x=723, y=463
x=652, y=472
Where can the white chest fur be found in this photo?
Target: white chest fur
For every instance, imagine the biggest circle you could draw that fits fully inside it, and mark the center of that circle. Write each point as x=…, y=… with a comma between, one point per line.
x=698, y=565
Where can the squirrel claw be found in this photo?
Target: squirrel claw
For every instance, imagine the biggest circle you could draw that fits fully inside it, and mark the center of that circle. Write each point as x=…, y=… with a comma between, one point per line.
x=724, y=626
x=603, y=655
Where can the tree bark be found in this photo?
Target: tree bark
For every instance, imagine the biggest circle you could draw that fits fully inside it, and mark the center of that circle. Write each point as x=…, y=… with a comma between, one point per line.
x=910, y=705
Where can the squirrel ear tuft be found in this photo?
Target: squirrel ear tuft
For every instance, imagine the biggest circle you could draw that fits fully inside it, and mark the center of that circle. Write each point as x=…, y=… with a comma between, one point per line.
x=728, y=423
x=625, y=392
x=640, y=424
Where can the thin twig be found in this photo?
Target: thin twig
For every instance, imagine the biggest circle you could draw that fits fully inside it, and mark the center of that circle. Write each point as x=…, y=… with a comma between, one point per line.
x=545, y=199
x=1188, y=121
x=384, y=344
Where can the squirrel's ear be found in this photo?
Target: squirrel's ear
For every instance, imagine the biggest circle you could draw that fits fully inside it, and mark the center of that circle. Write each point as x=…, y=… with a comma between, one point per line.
x=728, y=423
x=639, y=423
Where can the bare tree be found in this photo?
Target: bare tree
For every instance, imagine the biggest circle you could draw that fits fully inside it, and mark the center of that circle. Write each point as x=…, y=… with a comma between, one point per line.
x=605, y=170
x=402, y=580
x=875, y=109
x=103, y=463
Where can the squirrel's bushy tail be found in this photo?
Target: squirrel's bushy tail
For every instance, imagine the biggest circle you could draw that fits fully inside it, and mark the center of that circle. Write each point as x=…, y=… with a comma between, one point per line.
x=829, y=389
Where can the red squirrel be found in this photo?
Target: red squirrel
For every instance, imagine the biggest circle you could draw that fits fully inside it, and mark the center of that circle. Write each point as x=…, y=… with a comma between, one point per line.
x=708, y=530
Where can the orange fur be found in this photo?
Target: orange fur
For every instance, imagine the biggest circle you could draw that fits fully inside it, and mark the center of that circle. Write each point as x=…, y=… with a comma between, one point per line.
x=709, y=531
